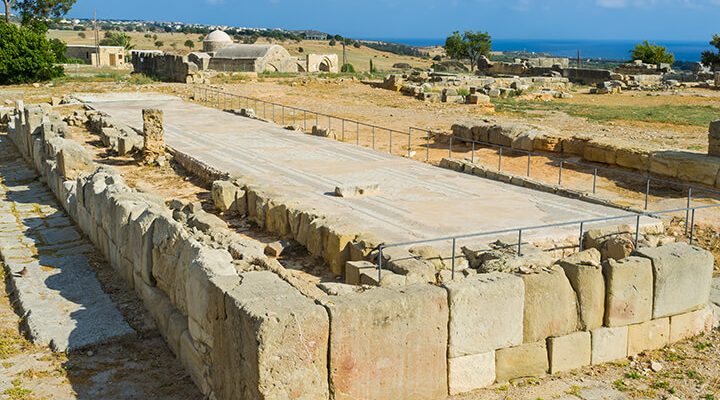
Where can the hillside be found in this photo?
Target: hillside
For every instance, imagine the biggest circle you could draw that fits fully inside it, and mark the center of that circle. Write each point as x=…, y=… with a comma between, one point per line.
x=175, y=42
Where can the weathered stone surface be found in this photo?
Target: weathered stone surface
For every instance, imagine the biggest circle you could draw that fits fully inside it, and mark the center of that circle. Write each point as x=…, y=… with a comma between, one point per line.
x=530, y=359
x=224, y=195
x=271, y=343
x=609, y=344
x=685, y=326
x=337, y=246
x=569, y=352
x=629, y=291
x=617, y=247
x=651, y=335
x=682, y=278
x=386, y=279
x=358, y=190
x=153, y=133
x=486, y=313
x=468, y=373
x=550, y=305
x=73, y=160
x=402, y=262
x=353, y=269
x=714, y=131
x=389, y=344
x=584, y=272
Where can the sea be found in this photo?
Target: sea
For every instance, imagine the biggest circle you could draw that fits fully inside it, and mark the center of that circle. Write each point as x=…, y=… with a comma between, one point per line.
x=688, y=51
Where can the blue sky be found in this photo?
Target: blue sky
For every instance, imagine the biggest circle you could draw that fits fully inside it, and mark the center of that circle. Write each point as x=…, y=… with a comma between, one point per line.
x=507, y=19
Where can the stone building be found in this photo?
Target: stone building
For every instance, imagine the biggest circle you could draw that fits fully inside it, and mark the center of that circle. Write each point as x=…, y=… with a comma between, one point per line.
x=101, y=56
x=319, y=63
x=253, y=58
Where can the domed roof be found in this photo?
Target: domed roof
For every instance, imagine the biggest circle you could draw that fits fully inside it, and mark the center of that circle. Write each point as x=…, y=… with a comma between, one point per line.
x=246, y=51
x=218, y=36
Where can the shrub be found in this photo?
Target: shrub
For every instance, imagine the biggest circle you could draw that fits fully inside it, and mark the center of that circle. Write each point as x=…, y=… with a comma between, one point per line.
x=159, y=43
x=118, y=39
x=74, y=61
x=26, y=56
x=332, y=42
x=464, y=92
x=301, y=50
x=347, y=68
x=356, y=45
x=189, y=44
x=59, y=49
x=651, y=53
x=82, y=35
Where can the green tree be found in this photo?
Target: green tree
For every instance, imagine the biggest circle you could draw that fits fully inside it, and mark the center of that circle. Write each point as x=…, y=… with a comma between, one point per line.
x=39, y=10
x=59, y=48
x=347, y=68
x=650, y=53
x=332, y=42
x=470, y=45
x=710, y=58
x=26, y=56
x=118, y=39
x=189, y=44
x=159, y=43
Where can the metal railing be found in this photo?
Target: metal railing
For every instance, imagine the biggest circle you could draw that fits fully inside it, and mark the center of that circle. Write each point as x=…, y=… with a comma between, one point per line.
x=349, y=128
x=646, y=180
x=689, y=222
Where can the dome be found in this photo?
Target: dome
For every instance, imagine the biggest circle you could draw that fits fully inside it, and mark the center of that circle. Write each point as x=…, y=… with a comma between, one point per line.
x=218, y=36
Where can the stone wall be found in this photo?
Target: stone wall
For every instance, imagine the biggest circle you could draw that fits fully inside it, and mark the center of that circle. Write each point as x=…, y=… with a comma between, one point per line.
x=244, y=330
x=683, y=165
x=166, y=67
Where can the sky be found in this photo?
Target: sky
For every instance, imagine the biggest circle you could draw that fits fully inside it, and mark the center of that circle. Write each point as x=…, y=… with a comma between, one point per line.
x=662, y=20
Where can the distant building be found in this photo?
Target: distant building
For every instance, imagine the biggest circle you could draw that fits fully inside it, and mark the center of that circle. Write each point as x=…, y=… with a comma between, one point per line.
x=315, y=35
x=101, y=56
x=253, y=58
x=216, y=41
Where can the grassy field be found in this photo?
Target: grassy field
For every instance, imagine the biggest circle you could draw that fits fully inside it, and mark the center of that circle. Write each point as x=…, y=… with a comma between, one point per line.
x=175, y=42
x=682, y=115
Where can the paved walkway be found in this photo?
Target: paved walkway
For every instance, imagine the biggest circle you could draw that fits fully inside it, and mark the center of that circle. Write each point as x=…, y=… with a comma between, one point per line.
x=416, y=200
x=56, y=290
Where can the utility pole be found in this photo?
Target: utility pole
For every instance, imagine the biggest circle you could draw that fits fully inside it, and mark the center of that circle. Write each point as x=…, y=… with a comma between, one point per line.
x=344, y=54
x=97, y=38
x=579, y=61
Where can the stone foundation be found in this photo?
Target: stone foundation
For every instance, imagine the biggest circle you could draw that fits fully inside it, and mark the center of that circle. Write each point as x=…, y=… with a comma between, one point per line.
x=246, y=333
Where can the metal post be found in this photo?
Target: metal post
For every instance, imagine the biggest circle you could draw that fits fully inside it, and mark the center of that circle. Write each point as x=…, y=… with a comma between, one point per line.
x=264, y=110
x=500, y=160
x=452, y=275
x=647, y=194
x=472, y=153
x=687, y=212
x=692, y=226
x=390, y=133
x=529, y=160
x=637, y=231
x=519, y=247
x=582, y=232
x=305, y=120
x=373, y=137
x=380, y=260
x=317, y=120
x=342, y=130
x=224, y=101
x=450, y=151
x=595, y=181
x=427, y=148
x=560, y=173
x=329, y=123
x=409, y=141
x=357, y=133
x=282, y=110
x=273, y=111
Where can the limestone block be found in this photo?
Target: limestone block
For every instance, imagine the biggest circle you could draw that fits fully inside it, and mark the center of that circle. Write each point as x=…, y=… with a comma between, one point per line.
x=207, y=264
x=575, y=145
x=468, y=373
x=336, y=249
x=685, y=326
x=387, y=279
x=629, y=291
x=650, y=335
x=700, y=168
x=714, y=130
x=609, y=344
x=353, y=270
x=224, y=195
x=358, y=190
x=600, y=152
x=486, y=313
x=153, y=132
x=584, y=272
x=403, y=262
x=548, y=142
x=682, y=278
x=595, y=238
x=277, y=219
x=177, y=325
x=272, y=342
x=550, y=305
x=569, y=352
x=193, y=363
x=73, y=160
x=633, y=158
x=389, y=344
x=527, y=360
x=206, y=222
